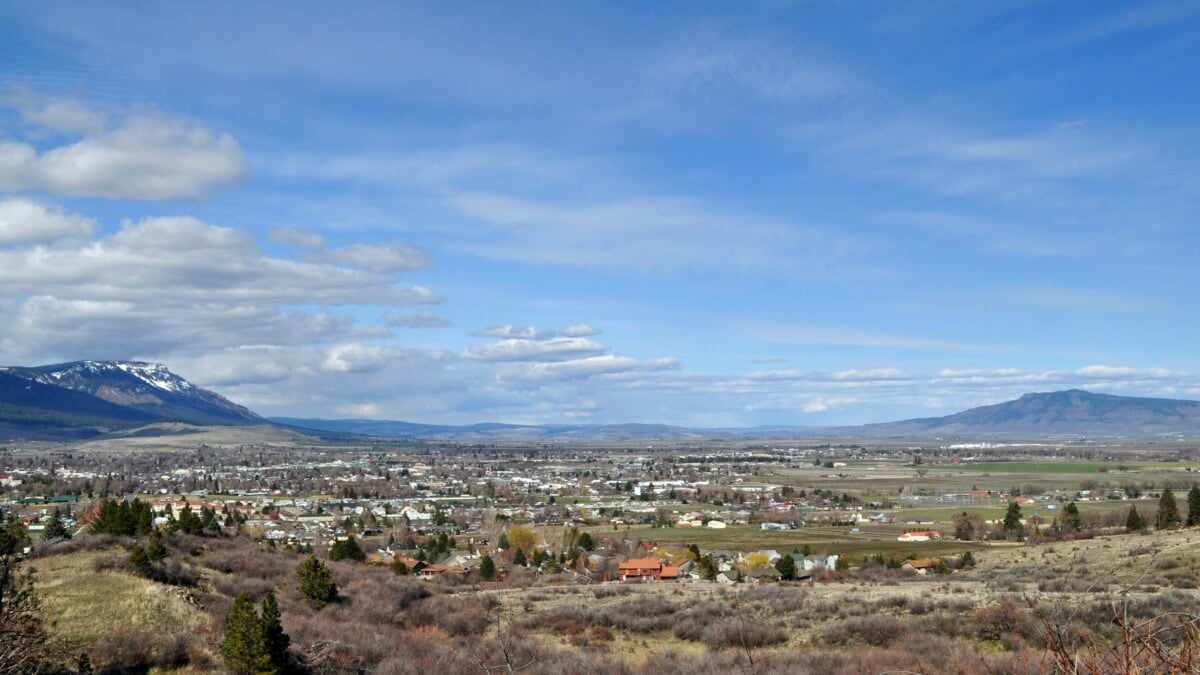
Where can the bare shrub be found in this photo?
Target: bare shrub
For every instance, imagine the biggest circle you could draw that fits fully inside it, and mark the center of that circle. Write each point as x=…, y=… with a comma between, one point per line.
x=611, y=591
x=741, y=635
x=877, y=631
x=1004, y=618
x=134, y=649
x=233, y=585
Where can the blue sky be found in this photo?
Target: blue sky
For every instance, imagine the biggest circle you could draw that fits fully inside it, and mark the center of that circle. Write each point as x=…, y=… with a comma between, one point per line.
x=709, y=214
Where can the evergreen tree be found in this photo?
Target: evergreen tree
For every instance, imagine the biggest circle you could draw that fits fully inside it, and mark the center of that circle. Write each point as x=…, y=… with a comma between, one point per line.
x=399, y=567
x=316, y=582
x=140, y=561
x=56, y=530
x=276, y=640
x=502, y=543
x=487, y=568
x=1012, y=520
x=347, y=549
x=155, y=549
x=245, y=646
x=189, y=522
x=585, y=542
x=1193, y=502
x=22, y=633
x=142, y=518
x=519, y=557
x=786, y=566
x=1072, y=521
x=1168, y=512
x=1134, y=522
x=707, y=568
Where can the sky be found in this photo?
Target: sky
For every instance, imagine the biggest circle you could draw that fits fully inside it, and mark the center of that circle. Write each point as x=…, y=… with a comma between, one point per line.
x=704, y=214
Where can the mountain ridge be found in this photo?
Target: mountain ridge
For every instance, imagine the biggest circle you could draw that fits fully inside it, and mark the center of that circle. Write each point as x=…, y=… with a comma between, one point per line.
x=82, y=399
x=86, y=399
x=1072, y=412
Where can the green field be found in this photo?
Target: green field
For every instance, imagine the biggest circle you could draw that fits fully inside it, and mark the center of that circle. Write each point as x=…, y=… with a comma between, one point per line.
x=1041, y=467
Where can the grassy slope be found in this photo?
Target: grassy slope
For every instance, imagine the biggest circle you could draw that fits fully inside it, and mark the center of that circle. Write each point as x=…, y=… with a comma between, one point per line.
x=84, y=606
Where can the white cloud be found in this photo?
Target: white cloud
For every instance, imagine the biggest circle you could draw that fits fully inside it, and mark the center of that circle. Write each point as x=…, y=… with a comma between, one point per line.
x=553, y=349
x=354, y=358
x=516, y=332
x=394, y=256
x=580, y=330
x=598, y=365
x=178, y=285
x=24, y=221
x=146, y=155
x=54, y=114
x=294, y=236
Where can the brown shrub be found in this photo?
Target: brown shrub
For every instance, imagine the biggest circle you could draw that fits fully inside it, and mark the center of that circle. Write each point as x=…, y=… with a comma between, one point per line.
x=879, y=630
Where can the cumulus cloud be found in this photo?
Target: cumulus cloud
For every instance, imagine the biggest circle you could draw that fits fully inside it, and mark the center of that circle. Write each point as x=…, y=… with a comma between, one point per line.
x=24, y=221
x=144, y=155
x=178, y=285
x=354, y=358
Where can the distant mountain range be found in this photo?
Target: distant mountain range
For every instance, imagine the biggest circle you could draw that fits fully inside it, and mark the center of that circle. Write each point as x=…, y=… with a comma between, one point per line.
x=1061, y=413
x=87, y=399
x=84, y=399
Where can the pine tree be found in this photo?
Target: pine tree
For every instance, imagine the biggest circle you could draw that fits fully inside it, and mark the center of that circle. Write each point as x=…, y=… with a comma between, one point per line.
x=399, y=567
x=786, y=566
x=487, y=568
x=22, y=632
x=244, y=646
x=155, y=549
x=140, y=561
x=1193, y=502
x=1012, y=519
x=1134, y=522
x=1072, y=521
x=316, y=582
x=1168, y=512
x=276, y=640
x=519, y=557
x=502, y=543
x=56, y=530
x=347, y=549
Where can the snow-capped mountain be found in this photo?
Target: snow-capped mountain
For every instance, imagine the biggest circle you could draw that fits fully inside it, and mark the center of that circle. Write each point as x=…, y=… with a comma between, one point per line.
x=107, y=395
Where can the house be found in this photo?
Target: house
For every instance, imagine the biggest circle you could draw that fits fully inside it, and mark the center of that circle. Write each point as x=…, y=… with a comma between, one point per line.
x=924, y=535
x=922, y=566
x=442, y=570
x=647, y=569
x=819, y=562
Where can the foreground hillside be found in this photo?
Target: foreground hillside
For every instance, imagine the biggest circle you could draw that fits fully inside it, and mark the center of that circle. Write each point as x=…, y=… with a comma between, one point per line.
x=1003, y=615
